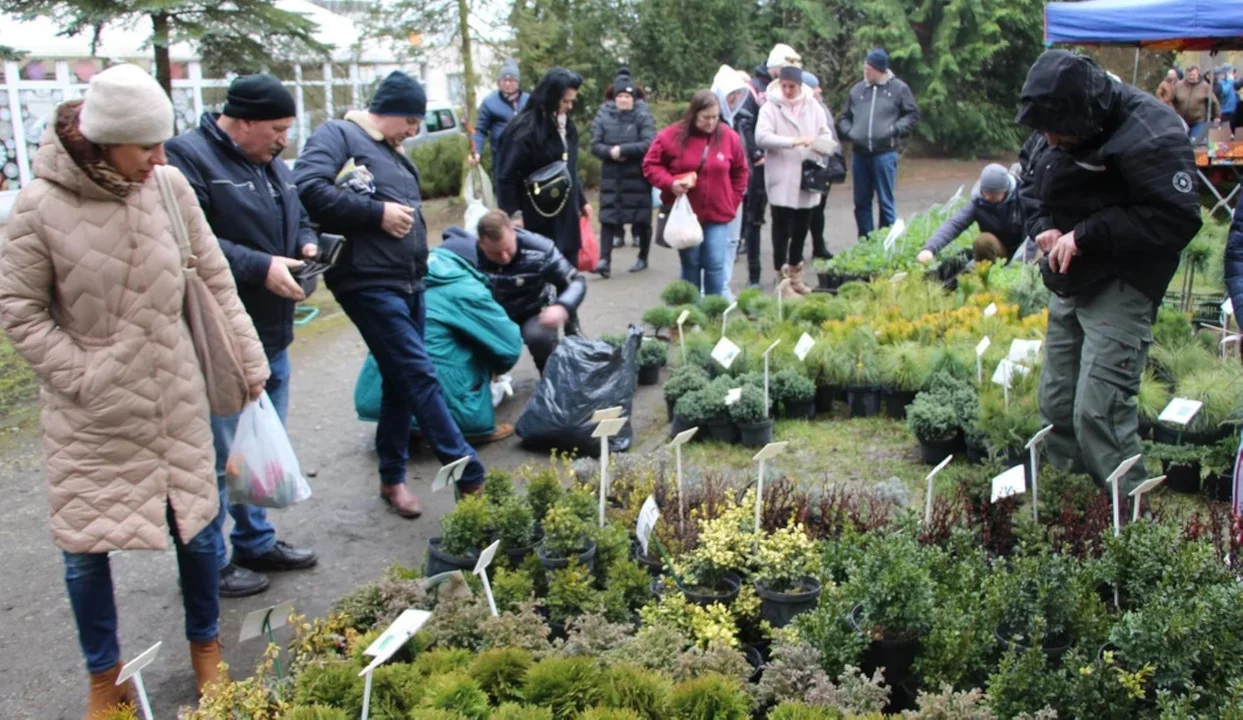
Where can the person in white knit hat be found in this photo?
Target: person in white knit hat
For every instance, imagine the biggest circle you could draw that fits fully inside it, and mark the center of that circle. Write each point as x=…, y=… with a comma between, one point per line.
x=91, y=295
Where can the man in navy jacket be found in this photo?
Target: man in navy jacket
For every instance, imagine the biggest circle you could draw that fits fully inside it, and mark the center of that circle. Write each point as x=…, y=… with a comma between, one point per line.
x=496, y=110
x=355, y=181
x=232, y=161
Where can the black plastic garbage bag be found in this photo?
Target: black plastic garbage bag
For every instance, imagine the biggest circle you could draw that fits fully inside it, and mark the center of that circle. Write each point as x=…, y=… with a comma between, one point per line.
x=581, y=377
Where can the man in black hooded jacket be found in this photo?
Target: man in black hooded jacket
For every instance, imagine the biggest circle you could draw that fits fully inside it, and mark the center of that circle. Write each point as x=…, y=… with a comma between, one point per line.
x=1109, y=191
x=756, y=201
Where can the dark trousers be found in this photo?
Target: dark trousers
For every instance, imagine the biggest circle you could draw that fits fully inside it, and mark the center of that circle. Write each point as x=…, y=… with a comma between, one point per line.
x=753, y=207
x=392, y=325
x=789, y=235
x=541, y=341
x=819, y=248
x=641, y=231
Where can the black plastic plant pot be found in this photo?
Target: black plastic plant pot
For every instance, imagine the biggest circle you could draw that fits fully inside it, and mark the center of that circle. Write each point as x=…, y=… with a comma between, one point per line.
x=653, y=565
x=669, y=403
x=678, y=425
x=725, y=592
x=1219, y=487
x=1053, y=647
x=756, y=659
x=757, y=435
x=439, y=561
x=649, y=374
x=726, y=432
x=518, y=555
x=585, y=557
x=931, y=453
x=977, y=453
x=895, y=654
x=804, y=410
x=828, y=281
x=1145, y=429
x=1182, y=478
x=779, y=608
x=824, y=398
x=863, y=400
x=896, y=402
x=1170, y=436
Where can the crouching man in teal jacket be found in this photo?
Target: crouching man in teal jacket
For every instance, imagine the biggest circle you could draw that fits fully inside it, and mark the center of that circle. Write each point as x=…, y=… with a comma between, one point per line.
x=470, y=339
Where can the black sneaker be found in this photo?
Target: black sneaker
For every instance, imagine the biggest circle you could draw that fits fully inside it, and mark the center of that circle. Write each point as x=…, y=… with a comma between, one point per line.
x=238, y=582
x=603, y=269
x=281, y=557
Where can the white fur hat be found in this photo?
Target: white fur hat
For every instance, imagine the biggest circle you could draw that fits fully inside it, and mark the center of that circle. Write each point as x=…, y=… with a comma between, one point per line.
x=126, y=106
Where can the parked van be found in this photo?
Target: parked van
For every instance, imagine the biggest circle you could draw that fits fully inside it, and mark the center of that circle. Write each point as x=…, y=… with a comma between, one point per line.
x=441, y=121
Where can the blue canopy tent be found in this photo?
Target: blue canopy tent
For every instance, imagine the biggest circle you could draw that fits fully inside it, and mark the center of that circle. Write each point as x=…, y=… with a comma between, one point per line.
x=1204, y=25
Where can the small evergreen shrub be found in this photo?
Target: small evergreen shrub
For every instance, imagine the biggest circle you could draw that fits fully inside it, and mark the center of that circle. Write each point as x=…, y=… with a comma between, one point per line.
x=501, y=673
x=566, y=686
x=710, y=697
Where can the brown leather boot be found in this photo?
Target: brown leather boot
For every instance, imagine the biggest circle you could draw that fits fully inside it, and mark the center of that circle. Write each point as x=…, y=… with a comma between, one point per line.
x=205, y=658
x=105, y=694
x=796, y=280
x=788, y=292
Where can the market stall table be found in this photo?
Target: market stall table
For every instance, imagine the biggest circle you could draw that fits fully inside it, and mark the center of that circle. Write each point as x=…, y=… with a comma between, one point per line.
x=1217, y=163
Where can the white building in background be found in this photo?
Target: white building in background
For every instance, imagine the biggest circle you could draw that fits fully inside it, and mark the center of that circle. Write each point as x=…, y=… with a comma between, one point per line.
x=56, y=68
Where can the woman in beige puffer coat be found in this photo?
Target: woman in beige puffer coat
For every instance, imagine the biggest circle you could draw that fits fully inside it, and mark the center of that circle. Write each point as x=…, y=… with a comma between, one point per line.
x=792, y=127
x=91, y=294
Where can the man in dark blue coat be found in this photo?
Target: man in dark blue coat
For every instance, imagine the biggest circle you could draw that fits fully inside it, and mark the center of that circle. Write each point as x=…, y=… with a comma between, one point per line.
x=355, y=181
x=232, y=161
x=496, y=110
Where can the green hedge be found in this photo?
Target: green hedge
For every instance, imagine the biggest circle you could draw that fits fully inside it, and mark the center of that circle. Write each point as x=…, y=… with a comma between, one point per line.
x=442, y=165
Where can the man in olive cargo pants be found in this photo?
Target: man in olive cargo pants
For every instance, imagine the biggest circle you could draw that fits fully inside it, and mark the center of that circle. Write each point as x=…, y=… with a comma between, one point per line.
x=1109, y=196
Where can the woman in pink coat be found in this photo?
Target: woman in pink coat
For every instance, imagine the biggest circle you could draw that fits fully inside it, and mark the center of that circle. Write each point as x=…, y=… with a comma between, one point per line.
x=792, y=128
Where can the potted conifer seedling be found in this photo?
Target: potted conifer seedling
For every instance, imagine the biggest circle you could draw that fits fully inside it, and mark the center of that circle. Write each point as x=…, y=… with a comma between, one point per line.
x=566, y=539
x=750, y=414
x=465, y=531
x=684, y=379
x=784, y=579
x=794, y=394
x=652, y=356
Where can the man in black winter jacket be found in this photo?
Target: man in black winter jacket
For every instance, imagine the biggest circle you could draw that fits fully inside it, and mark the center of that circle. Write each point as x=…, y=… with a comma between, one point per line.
x=522, y=267
x=355, y=180
x=232, y=161
x=755, y=203
x=1110, y=197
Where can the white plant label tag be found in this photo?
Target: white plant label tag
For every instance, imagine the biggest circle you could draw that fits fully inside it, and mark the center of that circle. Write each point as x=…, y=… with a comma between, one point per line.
x=485, y=557
x=897, y=277
x=1005, y=372
x=449, y=473
x=1180, y=411
x=1024, y=350
x=1228, y=306
x=396, y=635
x=649, y=514
x=1147, y=485
x=143, y=660
x=804, y=346
x=277, y=616
x=982, y=346
x=1010, y=482
x=612, y=413
x=682, y=318
x=991, y=310
x=726, y=352
x=733, y=396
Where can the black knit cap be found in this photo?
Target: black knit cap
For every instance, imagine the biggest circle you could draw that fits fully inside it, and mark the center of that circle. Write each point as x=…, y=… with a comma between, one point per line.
x=623, y=83
x=258, y=97
x=401, y=95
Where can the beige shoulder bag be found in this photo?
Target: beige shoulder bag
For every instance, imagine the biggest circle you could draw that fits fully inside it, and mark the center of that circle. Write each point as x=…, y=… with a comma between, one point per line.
x=219, y=355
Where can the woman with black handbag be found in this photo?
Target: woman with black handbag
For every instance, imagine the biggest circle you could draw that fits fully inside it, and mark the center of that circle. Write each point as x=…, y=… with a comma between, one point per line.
x=537, y=170
x=796, y=137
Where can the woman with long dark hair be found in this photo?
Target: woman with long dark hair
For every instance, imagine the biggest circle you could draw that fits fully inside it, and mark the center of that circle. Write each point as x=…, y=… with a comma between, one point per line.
x=702, y=158
x=537, y=171
x=620, y=136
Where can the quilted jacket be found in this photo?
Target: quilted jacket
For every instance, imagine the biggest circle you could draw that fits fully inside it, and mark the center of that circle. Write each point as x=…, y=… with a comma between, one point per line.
x=91, y=292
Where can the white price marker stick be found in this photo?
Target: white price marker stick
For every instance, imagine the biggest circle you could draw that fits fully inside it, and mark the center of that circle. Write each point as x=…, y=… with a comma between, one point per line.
x=1140, y=490
x=393, y=638
x=133, y=670
x=726, y=352
x=612, y=413
x=1113, y=480
x=930, y=479
x=481, y=569
x=769, y=451
x=682, y=333
x=677, y=443
x=766, y=352
x=991, y=310
x=450, y=473
x=605, y=430
x=1010, y=482
x=263, y=622
x=980, y=349
x=804, y=346
x=781, y=288
x=725, y=317
x=1033, y=446
x=649, y=514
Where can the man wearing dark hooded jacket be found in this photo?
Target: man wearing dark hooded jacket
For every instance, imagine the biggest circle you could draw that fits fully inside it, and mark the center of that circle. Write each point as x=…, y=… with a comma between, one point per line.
x=1110, y=197
x=755, y=202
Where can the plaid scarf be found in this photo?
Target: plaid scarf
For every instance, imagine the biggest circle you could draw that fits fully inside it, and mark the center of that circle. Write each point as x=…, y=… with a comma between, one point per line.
x=88, y=155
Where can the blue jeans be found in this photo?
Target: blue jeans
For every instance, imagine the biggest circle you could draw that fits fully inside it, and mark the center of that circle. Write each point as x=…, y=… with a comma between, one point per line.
x=874, y=175
x=252, y=534
x=1195, y=132
x=708, y=258
x=392, y=325
x=734, y=229
x=89, y=579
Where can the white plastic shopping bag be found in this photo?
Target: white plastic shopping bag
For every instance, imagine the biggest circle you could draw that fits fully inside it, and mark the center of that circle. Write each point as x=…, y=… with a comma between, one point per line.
x=502, y=387
x=682, y=229
x=262, y=469
x=477, y=192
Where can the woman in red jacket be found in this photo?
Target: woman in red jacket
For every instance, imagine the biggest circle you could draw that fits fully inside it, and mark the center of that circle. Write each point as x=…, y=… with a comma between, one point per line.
x=701, y=158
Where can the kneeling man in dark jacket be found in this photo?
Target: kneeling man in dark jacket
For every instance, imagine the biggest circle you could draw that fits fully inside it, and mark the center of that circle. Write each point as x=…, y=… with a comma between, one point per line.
x=1111, y=198
x=539, y=289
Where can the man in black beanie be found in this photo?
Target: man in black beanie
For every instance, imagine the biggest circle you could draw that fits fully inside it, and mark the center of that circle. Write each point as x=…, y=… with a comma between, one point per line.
x=232, y=161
